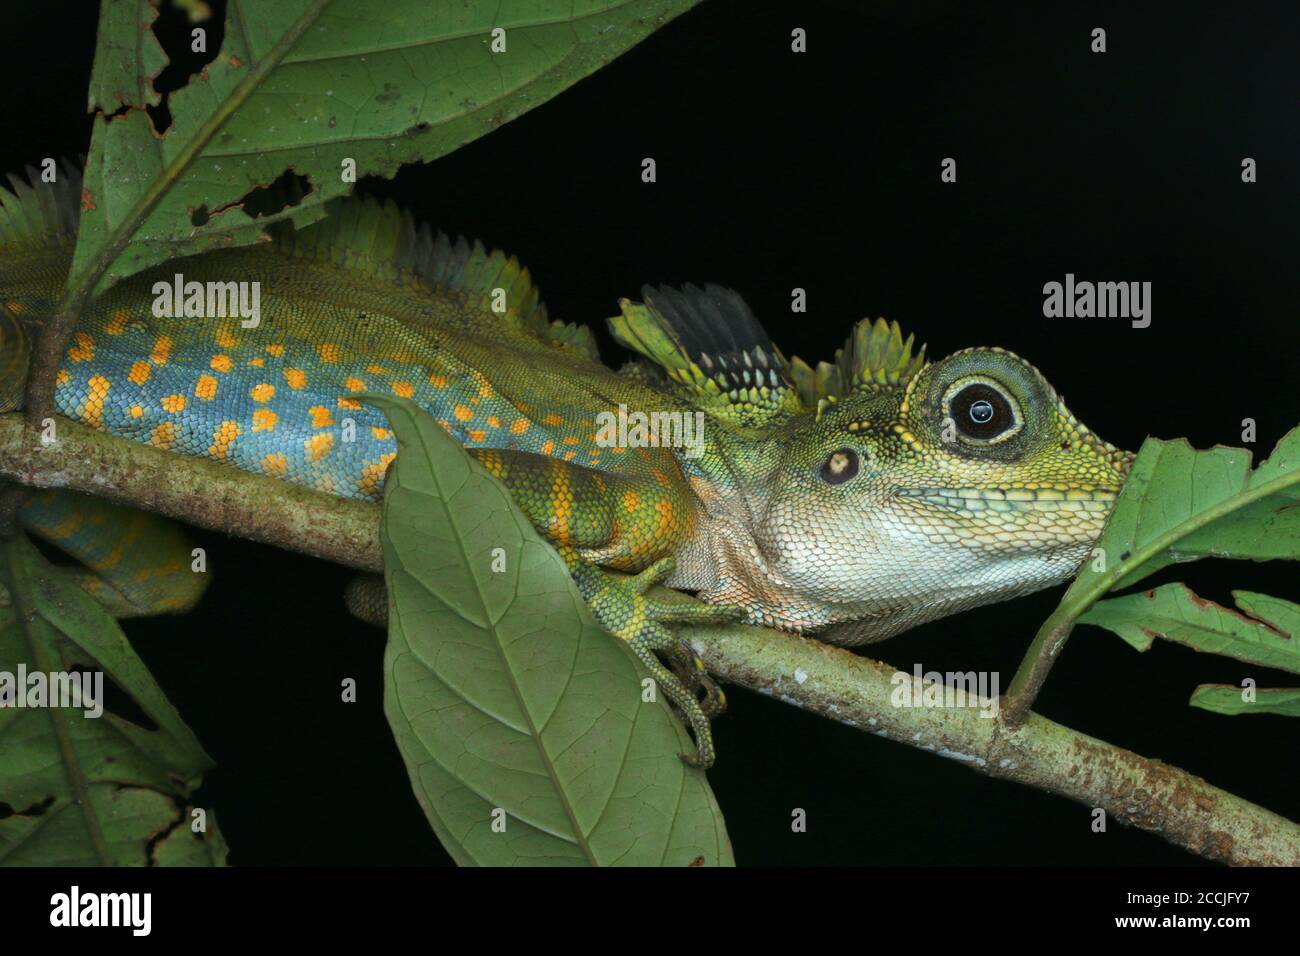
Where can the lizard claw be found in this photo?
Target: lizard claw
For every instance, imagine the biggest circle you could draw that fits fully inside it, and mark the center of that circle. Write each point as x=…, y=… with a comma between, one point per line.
x=691, y=671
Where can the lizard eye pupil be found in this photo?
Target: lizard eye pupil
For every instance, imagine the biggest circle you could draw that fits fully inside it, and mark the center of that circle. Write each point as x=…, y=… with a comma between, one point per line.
x=981, y=412
x=840, y=466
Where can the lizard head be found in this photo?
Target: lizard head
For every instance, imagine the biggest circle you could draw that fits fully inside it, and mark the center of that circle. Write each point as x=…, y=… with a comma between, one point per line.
x=967, y=483
x=878, y=488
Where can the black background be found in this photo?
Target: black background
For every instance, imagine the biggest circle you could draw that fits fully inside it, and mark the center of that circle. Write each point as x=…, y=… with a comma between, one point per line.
x=821, y=171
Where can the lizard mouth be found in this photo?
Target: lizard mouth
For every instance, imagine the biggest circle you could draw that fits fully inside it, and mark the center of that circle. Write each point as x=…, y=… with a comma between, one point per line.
x=975, y=500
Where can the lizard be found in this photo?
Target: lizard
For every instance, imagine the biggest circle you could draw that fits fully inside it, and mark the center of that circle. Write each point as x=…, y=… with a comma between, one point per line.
x=850, y=500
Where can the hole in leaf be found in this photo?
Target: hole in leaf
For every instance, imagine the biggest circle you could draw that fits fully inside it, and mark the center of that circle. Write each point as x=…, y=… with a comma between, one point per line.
x=175, y=32
x=287, y=189
x=35, y=810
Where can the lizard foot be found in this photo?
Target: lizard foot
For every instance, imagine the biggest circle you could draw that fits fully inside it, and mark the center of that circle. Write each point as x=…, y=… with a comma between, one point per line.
x=622, y=607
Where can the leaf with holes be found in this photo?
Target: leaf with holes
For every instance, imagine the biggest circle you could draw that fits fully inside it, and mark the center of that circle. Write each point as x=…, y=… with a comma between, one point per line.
x=1267, y=633
x=128, y=57
x=1226, y=699
x=78, y=790
x=314, y=89
x=521, y=721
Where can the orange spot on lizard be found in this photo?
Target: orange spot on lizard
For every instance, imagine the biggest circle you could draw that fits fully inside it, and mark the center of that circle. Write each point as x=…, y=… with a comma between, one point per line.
x=116, y=325
x=275, y=465
x=162, y=350
x=93, y=413
x=164, y=436
x=264, y=420
x=222, y=439
x=318, y=446
x=84, y=350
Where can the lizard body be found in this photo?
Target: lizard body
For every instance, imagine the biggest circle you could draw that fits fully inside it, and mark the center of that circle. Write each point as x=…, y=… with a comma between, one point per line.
x=856, y=499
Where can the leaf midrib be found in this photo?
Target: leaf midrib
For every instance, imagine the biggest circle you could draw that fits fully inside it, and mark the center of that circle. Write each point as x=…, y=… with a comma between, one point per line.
x=451, y=37
x=114, y=245
x=581, y=839
x=28, y=616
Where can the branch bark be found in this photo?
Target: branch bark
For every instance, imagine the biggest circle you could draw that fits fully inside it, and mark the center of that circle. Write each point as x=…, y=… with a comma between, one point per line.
x=830, y=681
x=857, y=691
x=195, y=490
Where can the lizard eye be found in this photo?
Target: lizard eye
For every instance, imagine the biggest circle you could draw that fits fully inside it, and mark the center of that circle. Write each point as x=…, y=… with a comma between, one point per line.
x=839, y=466
x=983, y=412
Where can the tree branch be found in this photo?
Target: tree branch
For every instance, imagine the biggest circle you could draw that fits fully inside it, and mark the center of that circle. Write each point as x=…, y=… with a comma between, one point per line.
x=858, y=691
x=829, y=681
x=195, y=490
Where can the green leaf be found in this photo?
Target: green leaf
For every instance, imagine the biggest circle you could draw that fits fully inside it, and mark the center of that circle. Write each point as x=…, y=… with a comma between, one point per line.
x=1266, y=637
x=182, y=847
x=1226, y=699
x=507, y=700
x=1180, y=504
x=305, y=85
x=84, y=790
x=128, y=57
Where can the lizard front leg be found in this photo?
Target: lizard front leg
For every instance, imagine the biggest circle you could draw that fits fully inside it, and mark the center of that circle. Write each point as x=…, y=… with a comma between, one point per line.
x=604, y=523
x=623, y=608
x=616, y=534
